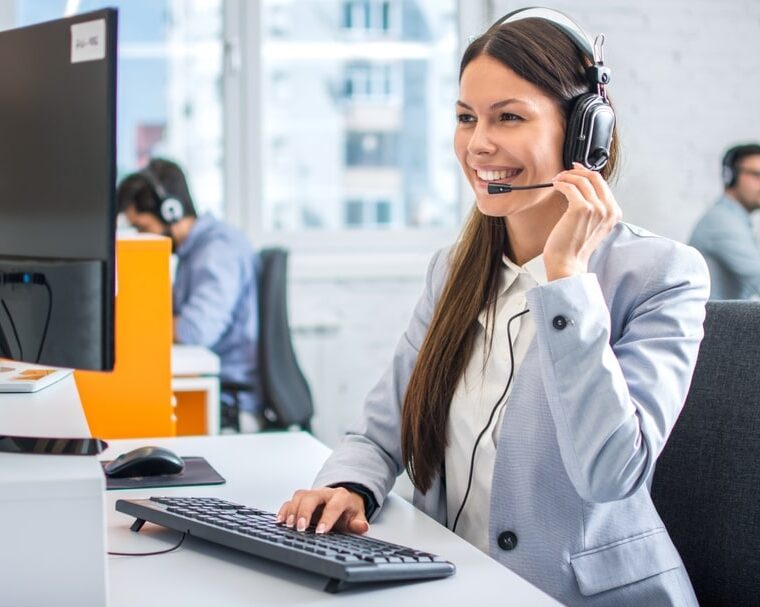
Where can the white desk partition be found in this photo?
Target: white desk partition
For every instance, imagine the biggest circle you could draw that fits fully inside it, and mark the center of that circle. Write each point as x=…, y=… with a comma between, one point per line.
x=263, y=470
x=52, y=531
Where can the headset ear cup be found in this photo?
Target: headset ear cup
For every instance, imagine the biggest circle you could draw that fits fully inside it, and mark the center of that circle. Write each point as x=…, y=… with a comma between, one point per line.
x=572, y=134
x=589, y=132
x=729, y=176
x=171, y=211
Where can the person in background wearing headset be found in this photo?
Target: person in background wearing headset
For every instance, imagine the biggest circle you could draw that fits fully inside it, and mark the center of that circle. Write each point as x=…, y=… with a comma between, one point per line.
x=214, y=290
x=724, y=234
x=550, y=353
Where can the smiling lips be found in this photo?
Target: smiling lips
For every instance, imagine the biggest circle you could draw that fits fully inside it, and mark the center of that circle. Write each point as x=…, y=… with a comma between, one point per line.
x=503, y=175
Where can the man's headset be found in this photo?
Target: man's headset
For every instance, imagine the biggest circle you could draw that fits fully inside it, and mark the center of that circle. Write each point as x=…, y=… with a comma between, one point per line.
x=589, y=127
x=731, y=159
x=729, y=168
x=170, y=209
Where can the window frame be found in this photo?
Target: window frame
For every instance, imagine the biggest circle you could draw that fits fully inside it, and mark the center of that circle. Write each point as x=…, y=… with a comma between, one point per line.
x=243, y=152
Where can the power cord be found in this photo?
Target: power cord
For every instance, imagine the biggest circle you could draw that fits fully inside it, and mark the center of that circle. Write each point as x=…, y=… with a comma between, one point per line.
x=27, y=278
x=173, y=548
x=47, y=318
x=490, y=417
x=15, y=332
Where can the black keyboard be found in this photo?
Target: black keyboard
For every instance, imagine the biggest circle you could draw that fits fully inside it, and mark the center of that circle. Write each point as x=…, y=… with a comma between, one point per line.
x=344, y=558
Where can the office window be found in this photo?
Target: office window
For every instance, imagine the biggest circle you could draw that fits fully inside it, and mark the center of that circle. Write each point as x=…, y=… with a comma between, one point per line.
x=371, y=149
x=370, y=115
x=370, y=213
x=354, y=213
x=169, y=84
x=372, y=83
x=368, y=15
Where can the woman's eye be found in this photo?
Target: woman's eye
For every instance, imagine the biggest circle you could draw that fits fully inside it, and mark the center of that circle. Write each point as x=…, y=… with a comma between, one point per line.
x=507, y=117
x=465, y=118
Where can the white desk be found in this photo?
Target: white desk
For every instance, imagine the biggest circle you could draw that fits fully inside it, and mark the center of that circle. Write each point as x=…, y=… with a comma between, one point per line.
x=263, y=470
x=196, y=369
x=52, y=550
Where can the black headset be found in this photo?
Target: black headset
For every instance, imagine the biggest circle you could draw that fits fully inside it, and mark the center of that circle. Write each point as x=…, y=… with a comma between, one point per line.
x=732, y=157
x=729, y=168
x=170, y=208
x=589, y=127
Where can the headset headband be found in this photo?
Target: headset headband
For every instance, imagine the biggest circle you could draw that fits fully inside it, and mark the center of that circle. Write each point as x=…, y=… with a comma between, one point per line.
x=561, y=20
x=598, y=75
x=154, y=183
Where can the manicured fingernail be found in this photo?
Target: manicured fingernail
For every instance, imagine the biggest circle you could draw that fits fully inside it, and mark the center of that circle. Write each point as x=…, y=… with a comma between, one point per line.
x=278, y=519
x=301, y=524
x=291, y=520
x=321, y=528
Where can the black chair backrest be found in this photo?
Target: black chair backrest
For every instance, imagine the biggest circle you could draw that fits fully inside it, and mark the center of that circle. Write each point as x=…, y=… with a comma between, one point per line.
x=287, y=398
x=707, y=482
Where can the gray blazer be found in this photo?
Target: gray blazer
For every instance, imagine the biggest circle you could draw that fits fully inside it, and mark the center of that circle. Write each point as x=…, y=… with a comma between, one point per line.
x=590, y=410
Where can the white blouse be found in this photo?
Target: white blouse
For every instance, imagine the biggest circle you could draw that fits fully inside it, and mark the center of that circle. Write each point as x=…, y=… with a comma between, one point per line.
x=477, y=393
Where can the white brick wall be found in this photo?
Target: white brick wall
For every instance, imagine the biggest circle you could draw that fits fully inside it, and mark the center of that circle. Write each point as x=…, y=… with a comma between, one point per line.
x=685, y=82
x=345, y=332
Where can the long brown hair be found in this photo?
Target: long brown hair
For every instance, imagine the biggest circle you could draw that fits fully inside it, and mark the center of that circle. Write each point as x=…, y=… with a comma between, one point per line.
x=541, y=53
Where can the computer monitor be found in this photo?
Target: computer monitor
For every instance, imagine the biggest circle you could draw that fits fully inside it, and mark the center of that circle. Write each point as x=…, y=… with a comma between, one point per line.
x=57, y=191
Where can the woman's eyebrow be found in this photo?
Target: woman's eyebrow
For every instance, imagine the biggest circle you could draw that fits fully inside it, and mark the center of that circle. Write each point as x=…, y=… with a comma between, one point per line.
x=494, y=106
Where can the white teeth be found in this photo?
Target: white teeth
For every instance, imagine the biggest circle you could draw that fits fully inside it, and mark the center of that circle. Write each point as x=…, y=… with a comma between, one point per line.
x=495, y=175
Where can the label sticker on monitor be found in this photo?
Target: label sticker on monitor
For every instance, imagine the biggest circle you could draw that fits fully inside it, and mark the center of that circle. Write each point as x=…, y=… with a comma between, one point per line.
x=88, y=41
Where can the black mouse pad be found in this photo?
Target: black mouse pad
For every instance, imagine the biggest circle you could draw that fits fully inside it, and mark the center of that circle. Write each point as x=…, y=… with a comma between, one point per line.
x=197, y=472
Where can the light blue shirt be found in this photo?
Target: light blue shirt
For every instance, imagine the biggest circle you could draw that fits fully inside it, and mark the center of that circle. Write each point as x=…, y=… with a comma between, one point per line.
x=214, y=301
x=725, y=238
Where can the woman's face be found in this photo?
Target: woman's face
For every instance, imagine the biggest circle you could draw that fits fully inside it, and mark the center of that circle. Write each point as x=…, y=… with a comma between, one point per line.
x=508, y=131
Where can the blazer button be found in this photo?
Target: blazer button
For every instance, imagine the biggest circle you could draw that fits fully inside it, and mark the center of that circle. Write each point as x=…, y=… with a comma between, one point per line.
x=559, y=322
x=507, y=540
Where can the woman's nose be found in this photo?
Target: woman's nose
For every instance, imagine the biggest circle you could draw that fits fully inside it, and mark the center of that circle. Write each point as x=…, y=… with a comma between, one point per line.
x=481, y=141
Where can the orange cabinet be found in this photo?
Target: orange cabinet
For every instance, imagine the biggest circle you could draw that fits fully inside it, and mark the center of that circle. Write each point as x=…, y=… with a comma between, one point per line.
x=135, y=399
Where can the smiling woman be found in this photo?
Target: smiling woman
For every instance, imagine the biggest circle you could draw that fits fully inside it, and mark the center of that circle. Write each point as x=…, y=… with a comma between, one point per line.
x=550, y=354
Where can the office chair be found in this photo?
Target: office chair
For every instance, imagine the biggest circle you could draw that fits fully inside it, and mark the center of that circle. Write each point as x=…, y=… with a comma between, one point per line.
x=286, y=394
x=706, y=485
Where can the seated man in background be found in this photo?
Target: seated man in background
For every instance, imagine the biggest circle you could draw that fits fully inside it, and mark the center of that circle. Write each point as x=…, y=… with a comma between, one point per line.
x=724, y=235
x=214, y=290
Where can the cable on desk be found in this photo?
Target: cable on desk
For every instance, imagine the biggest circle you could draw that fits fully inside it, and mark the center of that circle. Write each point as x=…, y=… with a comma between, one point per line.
x=177, y=545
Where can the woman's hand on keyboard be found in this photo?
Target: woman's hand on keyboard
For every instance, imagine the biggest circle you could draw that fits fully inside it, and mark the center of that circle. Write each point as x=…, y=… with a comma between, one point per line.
x=336, y=509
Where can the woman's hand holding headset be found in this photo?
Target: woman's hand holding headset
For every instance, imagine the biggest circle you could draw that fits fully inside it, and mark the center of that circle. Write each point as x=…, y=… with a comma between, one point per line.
x=591, y=214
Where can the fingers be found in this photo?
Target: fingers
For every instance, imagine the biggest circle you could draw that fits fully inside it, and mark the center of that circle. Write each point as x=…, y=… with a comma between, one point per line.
x=332, y=508
x=358, y=524
x=602, y=190
x=335, y=508
x=307, y=507
x=586, y=190
x=291, y=512
x=343, y=511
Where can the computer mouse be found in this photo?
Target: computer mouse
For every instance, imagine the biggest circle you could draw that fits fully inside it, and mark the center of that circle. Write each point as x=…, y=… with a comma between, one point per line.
x=145, y=461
